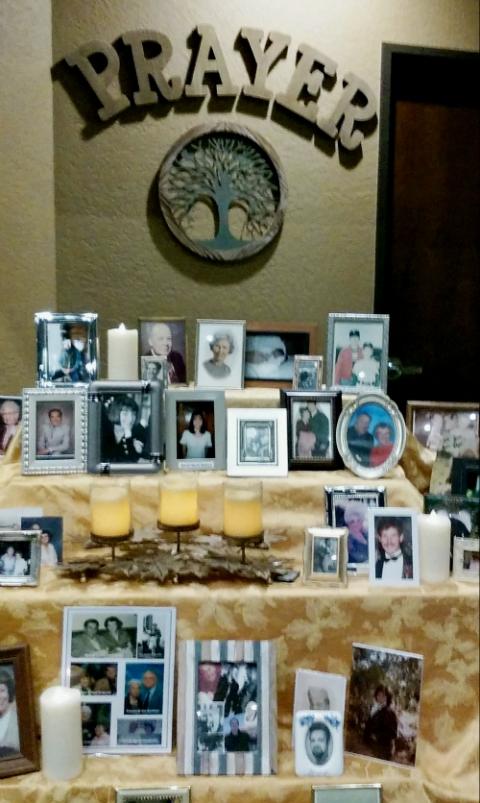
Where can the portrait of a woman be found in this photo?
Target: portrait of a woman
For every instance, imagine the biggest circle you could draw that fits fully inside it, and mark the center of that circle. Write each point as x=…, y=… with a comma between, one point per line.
x=221, y=345
x=196, y=440
x=9, y=735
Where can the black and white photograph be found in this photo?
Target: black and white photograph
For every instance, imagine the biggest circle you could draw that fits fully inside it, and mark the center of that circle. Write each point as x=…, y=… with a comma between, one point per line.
x=54, y=432
x=10, y=419
x=393, y=547
x=165, y=339
x=19, y=557
x=51, y=537
x=307, y=372
x=256, y=442
x=165, y=794
x=9, y=729
x=348, y=793
x=195, y=429
x=319, y=691
x=66, y=348
x=121, y=677
x=312, y=420
x=210, y=734
x=357, y=352
x=153, y=369
x=384, y=704
x=227, y=706
x=318, y=742
x=348, y=507
x=463, y=512
x=448, y=428
x=270, y=351
x=324, y=555
x=220, y=354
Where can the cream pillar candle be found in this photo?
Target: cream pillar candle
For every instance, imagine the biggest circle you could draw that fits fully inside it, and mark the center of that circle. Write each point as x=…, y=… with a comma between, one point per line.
x=242, y=509
x=61, y=726
x=178, y=504
x=122, y=353
x=110, y=513
x=434, y=542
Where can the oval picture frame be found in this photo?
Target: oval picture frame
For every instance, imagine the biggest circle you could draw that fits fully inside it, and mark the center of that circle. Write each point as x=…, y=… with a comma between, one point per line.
x=362, y=452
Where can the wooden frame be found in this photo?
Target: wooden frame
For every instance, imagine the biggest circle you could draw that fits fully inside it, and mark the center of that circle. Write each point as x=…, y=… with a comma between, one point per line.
x=265, y=374
x=177, y=370
x=430, y=430
x=203, y=750
x=15, y=664
x=372, y=373
x=317, y=457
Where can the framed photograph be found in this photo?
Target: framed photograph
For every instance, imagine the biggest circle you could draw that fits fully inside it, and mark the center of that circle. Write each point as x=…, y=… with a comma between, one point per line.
x=393, y=547
x=19, y=557
x=122, y=660
x=347, y=506
x=66, y=348
x=18, y=736
x=357, y=352
x=270, y=351
x=154, y=369
x=50, y=530
x=466, y=476
x=466, y=559
x=10, y=418
x=220, y=354
x=448, y=428
x=325, y=555
x=318, y=743
x=163, y=339
x=318, y=691
x=307, y=372
x=463, y=512
x=165, y=794
x=124, y=427
x=384, y=704
x=195, y=429
x=348, y=793
x=54, y=431
x=226, y=708
x=371, y=435
x=312, y=422
x=256, y=442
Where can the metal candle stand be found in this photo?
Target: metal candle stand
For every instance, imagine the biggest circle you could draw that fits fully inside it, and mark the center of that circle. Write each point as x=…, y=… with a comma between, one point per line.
x=110, y=540
x=178, y=529
x=244, y=541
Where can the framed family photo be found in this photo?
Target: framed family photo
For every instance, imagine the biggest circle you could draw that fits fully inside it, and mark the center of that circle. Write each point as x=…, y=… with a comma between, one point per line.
x=163, y=349
x=347, y=506
x=124, y=427
x=325, y=555
x=226, y=708
x=270, y=351
x=121, y=659
x=466, y=559
x=312, y=422
x=195, y=427
x=10, y=419
x=348, y=793
x=448, y=428
x=371, y=435
x=357, y=352
x=318, y=742
x=50, y=529
x=165, y=794
x=18, y=737
x=393, y=547
x=256, y=442
x=307, y=372
x=220, y=354
x=66, y=348
x=19, y=557
x=54, y=432
x=384, y=704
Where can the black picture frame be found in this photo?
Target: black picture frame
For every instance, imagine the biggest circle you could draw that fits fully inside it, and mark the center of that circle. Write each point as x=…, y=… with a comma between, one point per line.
x=316, y=462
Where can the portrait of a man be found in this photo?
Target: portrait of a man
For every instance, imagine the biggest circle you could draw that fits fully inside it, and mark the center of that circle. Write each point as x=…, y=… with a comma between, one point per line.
x=55, y=430
x=318, y=743
x=166, y=340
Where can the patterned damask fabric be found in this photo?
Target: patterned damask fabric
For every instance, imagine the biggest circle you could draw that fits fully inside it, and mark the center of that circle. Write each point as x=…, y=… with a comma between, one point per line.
x=314, y=628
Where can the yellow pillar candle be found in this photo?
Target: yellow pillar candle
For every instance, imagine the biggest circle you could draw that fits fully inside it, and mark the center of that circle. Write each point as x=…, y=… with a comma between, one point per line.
x=110, y=510
x=242, y=510
x=178, y=505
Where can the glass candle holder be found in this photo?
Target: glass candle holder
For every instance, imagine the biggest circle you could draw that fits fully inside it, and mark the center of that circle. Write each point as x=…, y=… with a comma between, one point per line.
x=110, y=511
x=242, y=511
x=178, y=504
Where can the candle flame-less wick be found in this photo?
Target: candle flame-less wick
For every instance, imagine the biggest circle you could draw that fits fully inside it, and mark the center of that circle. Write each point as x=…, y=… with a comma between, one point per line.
x=122, y=327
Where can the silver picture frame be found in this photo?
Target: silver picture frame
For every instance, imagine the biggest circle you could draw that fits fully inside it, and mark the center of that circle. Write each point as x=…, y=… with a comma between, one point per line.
x=348, y=792
x=347, y=506
x=67, y=348
x=171, y=794
x=182, y=408
x=325, y=556
x=307, y=372
x=19, y=557
x=44, y=450
x=220, y=369
x=466, y=559
x=348, y=368
x=371, y=435
x=138, y=449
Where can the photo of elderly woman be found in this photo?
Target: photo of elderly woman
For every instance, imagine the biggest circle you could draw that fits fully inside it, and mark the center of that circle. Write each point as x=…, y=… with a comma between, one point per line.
x=195, y=430
x=125, y=427
x=10, y=416
x=220, y=350
x=9, y=734
x=348, y=507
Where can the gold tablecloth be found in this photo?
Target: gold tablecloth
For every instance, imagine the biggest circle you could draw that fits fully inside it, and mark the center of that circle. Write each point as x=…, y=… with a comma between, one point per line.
x=314, y=628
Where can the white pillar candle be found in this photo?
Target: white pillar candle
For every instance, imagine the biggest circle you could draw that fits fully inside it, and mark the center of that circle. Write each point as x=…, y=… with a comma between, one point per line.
x=122, y=353
x=61, y=725
x=178, y=504
x=434, y=540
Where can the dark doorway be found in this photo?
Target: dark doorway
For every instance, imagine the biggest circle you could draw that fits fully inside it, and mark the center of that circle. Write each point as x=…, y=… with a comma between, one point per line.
x=428, y=241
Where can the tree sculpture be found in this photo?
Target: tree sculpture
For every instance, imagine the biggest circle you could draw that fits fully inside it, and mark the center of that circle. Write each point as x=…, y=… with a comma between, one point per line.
x=223, y=167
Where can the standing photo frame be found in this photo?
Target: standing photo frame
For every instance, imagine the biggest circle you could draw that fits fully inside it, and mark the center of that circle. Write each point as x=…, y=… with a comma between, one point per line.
x=270, y=351
x=347, y=506
x=312, y=418
x=256, y=442
x=325, y=556
x=66, y=348
x=54, y=430
x=226, y=708
x=466, y=560
x=163, y=339
x=19, y=746
x=307, y=372
x=195, y=427
x=357, y=352
x=220, y=354
x=19, y=557
x=393, y=547
x=449, y=428
x=125, y=427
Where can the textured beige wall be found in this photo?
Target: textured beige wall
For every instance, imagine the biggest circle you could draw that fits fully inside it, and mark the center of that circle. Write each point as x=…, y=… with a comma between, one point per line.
x=27, y=218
